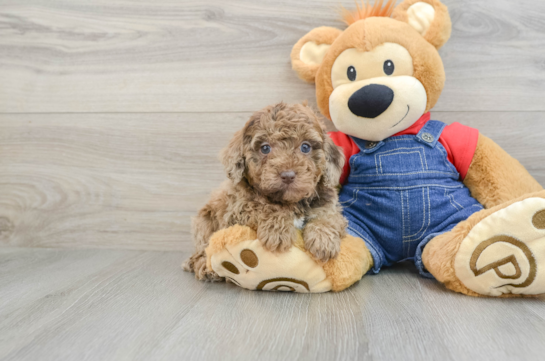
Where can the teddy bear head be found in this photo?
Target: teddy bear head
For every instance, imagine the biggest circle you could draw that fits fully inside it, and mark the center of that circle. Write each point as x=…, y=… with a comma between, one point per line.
x=382, y=73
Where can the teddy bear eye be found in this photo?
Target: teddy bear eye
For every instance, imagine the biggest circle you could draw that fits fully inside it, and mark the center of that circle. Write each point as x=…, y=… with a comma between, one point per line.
x=389, y=67
x=265, y=149
x=305, y=148
x=351, y=73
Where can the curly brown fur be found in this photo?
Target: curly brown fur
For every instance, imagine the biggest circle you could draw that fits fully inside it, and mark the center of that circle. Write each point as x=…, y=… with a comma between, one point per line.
x=255, y=194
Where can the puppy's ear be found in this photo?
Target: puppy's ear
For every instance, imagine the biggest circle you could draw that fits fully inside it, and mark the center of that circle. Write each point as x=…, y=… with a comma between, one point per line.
x=232, y=158
x=334, y=162
x=307, y=54
x=429, y=17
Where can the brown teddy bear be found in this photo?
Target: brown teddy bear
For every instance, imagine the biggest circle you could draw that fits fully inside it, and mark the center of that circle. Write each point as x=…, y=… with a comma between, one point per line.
x=444, y=196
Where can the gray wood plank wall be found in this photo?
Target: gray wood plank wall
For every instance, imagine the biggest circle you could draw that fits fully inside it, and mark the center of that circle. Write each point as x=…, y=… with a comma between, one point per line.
x=112, y=112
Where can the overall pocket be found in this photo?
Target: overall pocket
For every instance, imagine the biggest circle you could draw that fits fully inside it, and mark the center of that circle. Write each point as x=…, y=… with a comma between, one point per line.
x=401, y=161
x=348, y=196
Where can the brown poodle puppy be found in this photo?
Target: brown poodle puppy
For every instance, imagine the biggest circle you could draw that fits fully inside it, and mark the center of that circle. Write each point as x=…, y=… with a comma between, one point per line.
x=283, y=171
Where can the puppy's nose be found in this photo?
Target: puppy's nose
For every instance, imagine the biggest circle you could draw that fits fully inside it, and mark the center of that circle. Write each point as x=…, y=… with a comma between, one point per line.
x=371, y=101
x=287, y=176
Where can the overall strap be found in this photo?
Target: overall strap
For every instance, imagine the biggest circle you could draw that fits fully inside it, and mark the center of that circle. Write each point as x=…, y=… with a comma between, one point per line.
x=430, y=133
x=367, y=146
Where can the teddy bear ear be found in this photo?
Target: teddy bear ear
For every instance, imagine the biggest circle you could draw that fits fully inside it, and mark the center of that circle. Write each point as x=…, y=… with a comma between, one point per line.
x=429, y=17
x=307, y=54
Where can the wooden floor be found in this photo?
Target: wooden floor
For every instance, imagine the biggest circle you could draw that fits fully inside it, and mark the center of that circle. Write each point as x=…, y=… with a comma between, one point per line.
x=137, y=305
x=112, y=113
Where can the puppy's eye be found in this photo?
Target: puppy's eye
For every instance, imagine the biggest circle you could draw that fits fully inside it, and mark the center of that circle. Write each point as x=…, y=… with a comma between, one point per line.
x=265, y=149
x=351, y=73
x=389, y=67
x=306, y=148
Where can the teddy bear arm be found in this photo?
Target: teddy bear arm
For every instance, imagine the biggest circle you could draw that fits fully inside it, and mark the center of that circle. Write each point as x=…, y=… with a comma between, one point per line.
x=494, y=177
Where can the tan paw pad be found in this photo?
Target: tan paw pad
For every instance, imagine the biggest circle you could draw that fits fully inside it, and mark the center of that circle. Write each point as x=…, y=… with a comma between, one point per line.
x=538, y=220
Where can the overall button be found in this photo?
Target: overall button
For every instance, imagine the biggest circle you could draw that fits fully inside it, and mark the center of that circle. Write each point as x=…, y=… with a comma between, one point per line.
x=370, y=145
x=427, y=137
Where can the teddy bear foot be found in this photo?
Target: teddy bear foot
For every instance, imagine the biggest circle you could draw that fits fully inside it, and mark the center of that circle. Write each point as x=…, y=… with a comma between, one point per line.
x=505, y=252
x=247, y=264
x=502, y=255
x=236, y=254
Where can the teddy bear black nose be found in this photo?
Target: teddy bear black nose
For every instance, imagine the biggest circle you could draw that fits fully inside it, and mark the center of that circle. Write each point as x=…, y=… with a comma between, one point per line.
x=371, y=101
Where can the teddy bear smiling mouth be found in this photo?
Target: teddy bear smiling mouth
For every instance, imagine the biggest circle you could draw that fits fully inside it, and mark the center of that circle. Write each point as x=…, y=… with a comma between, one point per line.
x=405, y=116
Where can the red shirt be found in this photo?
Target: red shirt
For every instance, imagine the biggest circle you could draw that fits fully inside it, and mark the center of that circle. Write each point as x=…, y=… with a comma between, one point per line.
x=460, y=142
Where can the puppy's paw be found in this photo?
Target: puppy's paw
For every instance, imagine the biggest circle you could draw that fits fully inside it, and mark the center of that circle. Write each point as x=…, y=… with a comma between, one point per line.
x=322, y=243
x=276, y=240
x=197, y=264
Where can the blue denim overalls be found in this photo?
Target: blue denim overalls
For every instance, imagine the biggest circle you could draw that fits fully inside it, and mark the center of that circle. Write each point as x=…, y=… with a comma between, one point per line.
x=401, y=193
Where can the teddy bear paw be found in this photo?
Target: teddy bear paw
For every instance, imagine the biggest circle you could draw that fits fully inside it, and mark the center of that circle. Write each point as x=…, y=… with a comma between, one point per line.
x=249, y=265
x=505, y=252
